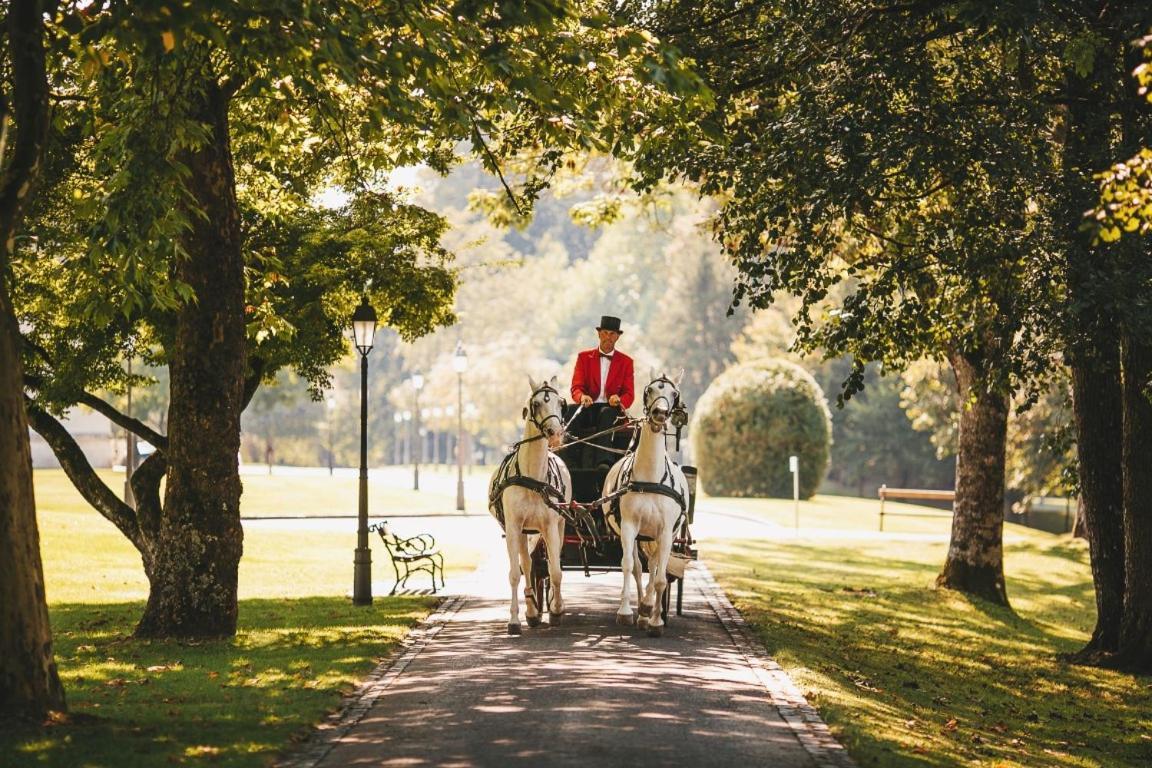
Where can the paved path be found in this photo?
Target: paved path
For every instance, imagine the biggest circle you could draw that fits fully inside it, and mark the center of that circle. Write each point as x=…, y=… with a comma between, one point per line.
x=584, y=693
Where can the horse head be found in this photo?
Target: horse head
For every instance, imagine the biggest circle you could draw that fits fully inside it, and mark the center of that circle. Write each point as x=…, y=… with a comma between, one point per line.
x=545, y=410
x=661, y=397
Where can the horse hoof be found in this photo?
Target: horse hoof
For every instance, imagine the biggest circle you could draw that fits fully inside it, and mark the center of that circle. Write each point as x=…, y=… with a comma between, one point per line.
x=656, y=631
x=533, y=621
x=513, y=629
x=624, y=619
x=556, y=618
x=642, y=622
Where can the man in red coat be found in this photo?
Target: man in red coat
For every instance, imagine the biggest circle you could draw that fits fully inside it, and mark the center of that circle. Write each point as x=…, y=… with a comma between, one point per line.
x=604, y=374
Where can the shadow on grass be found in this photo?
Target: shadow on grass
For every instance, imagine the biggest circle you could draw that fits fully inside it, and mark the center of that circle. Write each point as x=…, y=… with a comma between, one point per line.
x=913, y=676
x=231, y=702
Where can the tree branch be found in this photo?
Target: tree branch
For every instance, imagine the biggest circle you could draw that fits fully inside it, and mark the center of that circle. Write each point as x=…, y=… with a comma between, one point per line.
x=80, y=472
x=135, y=426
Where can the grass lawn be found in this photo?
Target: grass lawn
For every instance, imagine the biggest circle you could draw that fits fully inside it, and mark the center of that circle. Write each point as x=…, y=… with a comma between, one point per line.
x=907, y=675
x=301, y=645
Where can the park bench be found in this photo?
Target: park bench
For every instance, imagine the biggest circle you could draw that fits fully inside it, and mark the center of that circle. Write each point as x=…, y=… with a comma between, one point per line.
x=410, y=555
x=913, y=494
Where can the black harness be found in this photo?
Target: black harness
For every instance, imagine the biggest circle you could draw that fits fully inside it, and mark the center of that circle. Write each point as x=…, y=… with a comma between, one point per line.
x=625, y=483
x=552, y=489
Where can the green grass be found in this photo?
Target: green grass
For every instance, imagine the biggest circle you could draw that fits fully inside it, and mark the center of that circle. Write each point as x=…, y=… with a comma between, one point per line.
x=86, y=559
x=300, y=646
x=236, y=702
x=908, y=675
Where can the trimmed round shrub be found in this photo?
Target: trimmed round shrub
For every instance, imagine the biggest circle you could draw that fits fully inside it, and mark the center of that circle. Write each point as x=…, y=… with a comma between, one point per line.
x=750, y=420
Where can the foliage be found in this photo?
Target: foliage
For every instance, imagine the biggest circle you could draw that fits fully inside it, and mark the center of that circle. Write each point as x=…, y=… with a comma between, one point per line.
x=1126, y=188
x=750, y=420
x=873, y=442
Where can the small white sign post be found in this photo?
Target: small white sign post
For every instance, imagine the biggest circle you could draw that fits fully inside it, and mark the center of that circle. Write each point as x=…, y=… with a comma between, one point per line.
x=794, y=468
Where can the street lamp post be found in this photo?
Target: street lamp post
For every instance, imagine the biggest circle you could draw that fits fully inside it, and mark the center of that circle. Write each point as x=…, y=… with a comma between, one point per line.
x=363, y=329
x=460, y=365
x=417, y=444
x=331, y=403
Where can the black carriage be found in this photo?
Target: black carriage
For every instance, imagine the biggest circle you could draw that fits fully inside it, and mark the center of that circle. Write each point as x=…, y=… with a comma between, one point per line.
x=598, y=435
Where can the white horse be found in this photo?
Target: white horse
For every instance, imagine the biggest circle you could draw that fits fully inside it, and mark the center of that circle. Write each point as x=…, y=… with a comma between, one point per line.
x=657, y=497
x=523, y=495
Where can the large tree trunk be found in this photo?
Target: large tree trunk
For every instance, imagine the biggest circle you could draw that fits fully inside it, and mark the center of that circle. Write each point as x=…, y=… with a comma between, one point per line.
x=29, y=682
x=1093, y=348
x=1135, y=647
x=975, y=562
x=192, y=568
x=1097, y=407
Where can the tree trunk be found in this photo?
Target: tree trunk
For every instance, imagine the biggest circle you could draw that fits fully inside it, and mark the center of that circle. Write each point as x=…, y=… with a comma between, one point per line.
x=1098, y=411
x=975, y=562
x=1093, y=348
x=29, y=682
x=193, y=566
x=1135, y=647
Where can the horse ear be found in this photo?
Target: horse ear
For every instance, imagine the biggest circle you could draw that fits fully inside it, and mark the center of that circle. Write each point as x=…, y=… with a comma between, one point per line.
x=679, y=376
x=651, y=374
x=531, y=382
x=553, y=382
x=524, y=413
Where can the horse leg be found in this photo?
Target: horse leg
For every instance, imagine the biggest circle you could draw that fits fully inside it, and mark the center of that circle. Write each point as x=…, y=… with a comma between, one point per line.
x=658, y=577
x=554, y=542
x=512, y=538
x=531, y=605
x=628, y=561
x=643, y=595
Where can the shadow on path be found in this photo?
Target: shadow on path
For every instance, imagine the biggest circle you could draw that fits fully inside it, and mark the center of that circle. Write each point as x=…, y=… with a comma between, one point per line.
x=583, y=693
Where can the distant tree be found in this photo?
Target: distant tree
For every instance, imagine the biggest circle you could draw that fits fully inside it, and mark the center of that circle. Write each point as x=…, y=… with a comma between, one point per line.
x=751, y=420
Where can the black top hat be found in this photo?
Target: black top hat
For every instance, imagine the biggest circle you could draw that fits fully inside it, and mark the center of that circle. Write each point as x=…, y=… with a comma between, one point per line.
x=609, y=323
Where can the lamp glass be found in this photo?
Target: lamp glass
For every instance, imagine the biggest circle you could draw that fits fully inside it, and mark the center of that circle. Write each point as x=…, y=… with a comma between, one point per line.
x=417, y=382
x=460, y=359
x=364, y=326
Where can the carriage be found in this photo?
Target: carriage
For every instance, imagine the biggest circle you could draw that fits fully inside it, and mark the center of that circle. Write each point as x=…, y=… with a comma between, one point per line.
x=597, y=436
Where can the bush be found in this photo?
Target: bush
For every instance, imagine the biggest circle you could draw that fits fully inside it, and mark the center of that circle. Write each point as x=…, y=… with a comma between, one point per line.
x=750, y=420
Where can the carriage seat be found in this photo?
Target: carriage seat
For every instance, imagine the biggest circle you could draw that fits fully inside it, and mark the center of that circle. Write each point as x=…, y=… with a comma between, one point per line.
x=415, y=553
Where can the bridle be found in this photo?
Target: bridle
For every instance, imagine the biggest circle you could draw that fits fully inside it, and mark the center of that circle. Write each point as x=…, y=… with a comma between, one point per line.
x=530, y=410
x=651, y=398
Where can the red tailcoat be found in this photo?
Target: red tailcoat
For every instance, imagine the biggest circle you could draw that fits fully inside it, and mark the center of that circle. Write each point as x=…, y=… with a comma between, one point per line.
x=586, y=377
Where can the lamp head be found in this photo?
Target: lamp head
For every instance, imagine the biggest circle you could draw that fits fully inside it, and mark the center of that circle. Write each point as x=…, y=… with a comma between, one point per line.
x=364, y=326
x=459, y=359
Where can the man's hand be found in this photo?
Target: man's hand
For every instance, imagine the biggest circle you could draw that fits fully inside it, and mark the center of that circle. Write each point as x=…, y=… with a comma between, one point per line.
x=614, y=401
x=585, y=401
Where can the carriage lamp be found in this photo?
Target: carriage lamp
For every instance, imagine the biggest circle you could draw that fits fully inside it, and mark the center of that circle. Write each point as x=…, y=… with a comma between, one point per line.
x=363, y=331
x=460, y=365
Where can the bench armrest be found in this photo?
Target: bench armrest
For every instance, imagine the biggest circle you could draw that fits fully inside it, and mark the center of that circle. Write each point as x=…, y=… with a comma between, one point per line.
x=423, y=542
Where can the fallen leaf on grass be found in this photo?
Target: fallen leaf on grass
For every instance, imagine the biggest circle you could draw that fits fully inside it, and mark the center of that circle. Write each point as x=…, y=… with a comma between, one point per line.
x=950, y=726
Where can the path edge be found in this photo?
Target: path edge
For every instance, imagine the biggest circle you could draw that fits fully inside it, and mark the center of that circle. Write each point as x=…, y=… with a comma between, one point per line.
x=328, y=733
x=806, y=724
